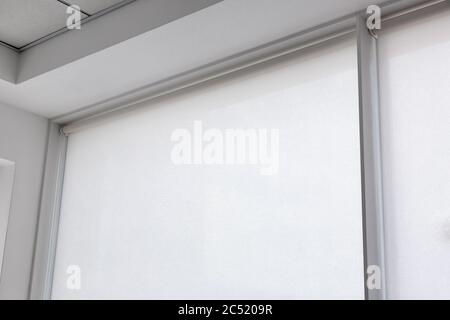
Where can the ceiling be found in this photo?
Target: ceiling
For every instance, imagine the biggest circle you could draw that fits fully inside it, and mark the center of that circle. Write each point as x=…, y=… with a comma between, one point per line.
x=93, y=6
x=205, y=36
x=23, y=22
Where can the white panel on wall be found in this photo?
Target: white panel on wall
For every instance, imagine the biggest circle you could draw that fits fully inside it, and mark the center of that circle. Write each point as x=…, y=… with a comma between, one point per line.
x=23, y=140
x=415, y=96
x=285, y=224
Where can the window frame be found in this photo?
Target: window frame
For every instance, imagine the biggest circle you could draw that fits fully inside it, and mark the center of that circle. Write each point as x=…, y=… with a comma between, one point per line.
x=369, y=124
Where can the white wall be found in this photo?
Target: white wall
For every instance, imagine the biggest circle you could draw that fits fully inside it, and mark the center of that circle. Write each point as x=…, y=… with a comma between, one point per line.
x=22, y=140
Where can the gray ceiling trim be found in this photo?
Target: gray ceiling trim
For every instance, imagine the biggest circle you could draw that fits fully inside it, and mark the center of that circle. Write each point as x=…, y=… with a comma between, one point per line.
x=117, y=24
x=9, y=59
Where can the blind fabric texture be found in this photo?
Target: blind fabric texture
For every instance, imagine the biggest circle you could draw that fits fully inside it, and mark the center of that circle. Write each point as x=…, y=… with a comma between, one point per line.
x=247, y=187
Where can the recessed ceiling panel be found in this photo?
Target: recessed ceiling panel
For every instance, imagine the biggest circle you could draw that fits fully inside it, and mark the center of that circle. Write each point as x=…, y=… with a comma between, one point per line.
x=25, y=21
x=94, y=6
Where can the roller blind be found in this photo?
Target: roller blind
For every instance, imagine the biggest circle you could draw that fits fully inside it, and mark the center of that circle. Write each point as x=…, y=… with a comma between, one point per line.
x=415, y=110
x=246, y=187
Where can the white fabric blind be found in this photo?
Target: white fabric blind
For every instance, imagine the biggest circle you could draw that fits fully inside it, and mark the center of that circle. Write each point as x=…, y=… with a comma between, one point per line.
x=415, y=97
x=284, y=221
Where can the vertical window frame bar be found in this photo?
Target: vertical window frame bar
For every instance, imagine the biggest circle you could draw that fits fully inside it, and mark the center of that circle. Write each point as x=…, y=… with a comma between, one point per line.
x=371, y=162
